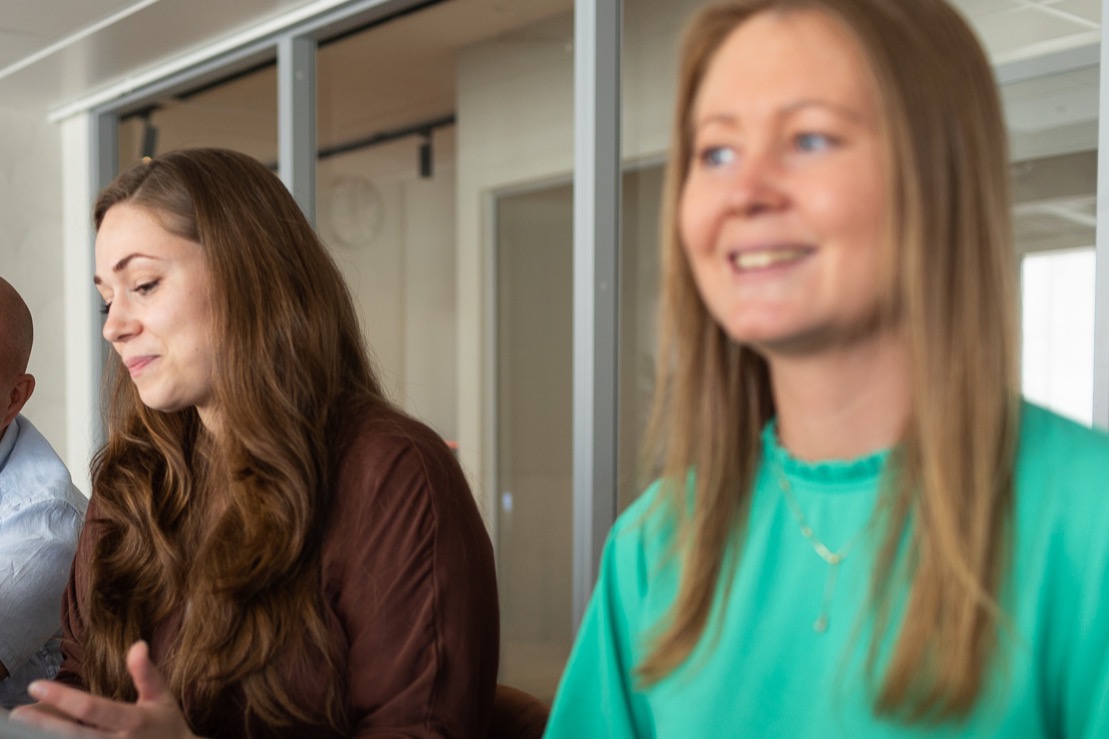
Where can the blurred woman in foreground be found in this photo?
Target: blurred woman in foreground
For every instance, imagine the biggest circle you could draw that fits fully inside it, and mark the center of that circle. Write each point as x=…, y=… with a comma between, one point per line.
x=859, y=529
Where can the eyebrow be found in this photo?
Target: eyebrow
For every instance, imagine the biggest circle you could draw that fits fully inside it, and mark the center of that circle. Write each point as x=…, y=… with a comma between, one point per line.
x=122, y=265
x=795, y=107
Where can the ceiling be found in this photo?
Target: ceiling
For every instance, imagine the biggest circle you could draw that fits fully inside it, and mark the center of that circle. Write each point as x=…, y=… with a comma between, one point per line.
x=55, y=52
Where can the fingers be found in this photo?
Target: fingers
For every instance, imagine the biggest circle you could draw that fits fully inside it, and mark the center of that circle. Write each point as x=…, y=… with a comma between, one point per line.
x=75, y=713
x=51, y=719
x=61, y=706
x=148, y=680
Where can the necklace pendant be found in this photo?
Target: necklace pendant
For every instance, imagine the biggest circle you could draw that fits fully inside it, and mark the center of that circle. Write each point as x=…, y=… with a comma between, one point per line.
x=820, y=625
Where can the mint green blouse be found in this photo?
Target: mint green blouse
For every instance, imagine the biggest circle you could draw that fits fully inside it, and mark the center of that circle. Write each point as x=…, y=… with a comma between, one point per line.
x=762, y=670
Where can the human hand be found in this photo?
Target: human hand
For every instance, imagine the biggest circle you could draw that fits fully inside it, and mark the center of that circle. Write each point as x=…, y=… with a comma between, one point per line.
x=75, y=713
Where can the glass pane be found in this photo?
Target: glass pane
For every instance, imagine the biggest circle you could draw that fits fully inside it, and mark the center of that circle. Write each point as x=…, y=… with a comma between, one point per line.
x=238, y=112
x=535, y=281
x=439, y=132
x=639, y=300
x=649, y=78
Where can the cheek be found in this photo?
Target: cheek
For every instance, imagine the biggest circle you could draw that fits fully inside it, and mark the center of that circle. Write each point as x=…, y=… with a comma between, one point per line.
x=854, y=212
x=693, y=221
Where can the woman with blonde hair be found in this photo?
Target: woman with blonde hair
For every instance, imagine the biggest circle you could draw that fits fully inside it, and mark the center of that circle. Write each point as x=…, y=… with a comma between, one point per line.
x=272, y=548
x=858, y=528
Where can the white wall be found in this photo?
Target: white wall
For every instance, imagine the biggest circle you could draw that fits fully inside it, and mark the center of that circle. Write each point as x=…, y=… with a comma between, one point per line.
x=31, y=256
x=83, y=343
x=392, y=233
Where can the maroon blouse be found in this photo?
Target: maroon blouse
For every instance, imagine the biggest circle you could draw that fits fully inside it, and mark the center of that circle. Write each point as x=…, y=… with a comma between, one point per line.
x=409, y=579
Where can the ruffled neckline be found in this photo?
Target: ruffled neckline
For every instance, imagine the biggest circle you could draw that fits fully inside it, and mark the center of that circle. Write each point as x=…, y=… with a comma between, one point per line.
x=831, y=472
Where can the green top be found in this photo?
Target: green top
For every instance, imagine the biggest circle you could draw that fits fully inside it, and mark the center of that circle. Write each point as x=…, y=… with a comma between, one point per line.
x=769, y=673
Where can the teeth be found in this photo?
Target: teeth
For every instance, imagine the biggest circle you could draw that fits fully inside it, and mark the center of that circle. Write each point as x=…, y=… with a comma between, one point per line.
x=767, y=258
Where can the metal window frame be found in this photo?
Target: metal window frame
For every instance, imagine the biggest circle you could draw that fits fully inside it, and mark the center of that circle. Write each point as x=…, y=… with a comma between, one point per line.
x=597, y=100
x=1101, y=243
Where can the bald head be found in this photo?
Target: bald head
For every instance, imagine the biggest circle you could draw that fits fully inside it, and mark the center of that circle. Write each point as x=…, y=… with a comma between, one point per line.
x=17, y=332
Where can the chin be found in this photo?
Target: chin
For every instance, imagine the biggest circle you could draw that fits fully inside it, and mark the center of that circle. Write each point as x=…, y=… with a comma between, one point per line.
x=757, y=336
x=160, y=404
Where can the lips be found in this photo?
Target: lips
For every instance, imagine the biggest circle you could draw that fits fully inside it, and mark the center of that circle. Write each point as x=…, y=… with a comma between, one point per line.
x=135, y=365
x=760, y=258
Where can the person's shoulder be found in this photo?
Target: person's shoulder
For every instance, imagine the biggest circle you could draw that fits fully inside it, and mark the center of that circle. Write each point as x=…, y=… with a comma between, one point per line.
x=382, y=433
x=1052, y=444
x=1062, y=474
x=645, y=514
x=391, y=456
x=35, y=475
x=643, y=537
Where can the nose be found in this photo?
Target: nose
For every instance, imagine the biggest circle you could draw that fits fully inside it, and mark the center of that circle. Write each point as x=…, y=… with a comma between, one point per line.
x=757, y=185
x=119, y=324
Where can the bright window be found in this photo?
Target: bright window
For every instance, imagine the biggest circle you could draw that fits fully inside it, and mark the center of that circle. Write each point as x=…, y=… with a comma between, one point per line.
x=1058, y=328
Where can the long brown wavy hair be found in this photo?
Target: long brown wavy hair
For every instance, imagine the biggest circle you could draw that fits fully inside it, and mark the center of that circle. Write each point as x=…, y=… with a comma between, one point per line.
x=230, y=525
x=946, y=513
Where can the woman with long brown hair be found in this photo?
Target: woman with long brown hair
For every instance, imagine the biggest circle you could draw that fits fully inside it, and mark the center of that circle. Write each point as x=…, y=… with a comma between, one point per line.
x=272, y=548
x=858, y=529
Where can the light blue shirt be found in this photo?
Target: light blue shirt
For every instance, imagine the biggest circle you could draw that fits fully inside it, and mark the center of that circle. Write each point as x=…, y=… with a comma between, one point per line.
x=41, y=513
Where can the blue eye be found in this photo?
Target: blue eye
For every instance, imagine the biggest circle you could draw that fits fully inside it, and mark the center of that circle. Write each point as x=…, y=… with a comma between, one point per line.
x=717, y=156
x=813, y=142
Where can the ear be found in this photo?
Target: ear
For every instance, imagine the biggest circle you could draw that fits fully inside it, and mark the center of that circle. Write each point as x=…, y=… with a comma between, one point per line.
x=22, y=388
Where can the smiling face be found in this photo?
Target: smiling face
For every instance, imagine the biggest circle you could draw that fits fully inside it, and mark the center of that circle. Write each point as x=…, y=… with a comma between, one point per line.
x=781, y=213
x=156, y=289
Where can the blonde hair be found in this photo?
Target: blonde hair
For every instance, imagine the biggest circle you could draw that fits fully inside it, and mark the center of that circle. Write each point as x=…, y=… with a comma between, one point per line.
x=946, y=511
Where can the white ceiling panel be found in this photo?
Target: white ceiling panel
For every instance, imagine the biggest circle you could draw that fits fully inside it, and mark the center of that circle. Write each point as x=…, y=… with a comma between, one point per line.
x=1020, y=31
x=1087, y=9
x=54, y=19
x=87, y=58
x=976, y=9
x=1052, y=110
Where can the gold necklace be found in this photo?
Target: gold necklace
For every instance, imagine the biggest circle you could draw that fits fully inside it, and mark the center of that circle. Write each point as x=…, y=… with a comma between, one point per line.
x=832, y=559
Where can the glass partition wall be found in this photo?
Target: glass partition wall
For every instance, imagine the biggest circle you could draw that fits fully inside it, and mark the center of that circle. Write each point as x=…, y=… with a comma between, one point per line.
x=453, y=185
x=237, y=111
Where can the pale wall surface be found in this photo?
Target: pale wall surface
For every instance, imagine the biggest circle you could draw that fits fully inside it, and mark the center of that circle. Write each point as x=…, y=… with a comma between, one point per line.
x=392, y=234
x=31, y=256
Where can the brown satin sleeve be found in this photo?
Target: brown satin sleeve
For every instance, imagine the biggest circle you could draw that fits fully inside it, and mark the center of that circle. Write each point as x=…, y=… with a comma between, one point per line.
x=70, y=671
x=408, y=568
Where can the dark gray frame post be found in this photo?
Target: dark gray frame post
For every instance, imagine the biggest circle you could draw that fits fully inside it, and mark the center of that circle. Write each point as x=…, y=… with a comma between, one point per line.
x=596, y=294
